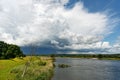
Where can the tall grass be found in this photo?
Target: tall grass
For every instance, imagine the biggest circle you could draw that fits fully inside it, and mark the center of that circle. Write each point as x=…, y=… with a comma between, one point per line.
x=39, y=68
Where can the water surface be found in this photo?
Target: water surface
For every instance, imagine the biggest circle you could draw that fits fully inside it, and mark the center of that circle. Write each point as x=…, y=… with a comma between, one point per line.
x=87, y=69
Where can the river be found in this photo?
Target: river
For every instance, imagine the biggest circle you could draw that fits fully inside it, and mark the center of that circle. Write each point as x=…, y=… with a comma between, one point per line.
x=87, y=69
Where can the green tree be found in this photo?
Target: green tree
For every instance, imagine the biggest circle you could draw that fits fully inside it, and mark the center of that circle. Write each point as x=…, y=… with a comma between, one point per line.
x=100, y=56
x=9, y=51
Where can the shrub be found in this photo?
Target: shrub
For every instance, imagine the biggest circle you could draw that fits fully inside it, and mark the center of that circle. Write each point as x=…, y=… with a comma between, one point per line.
x=63, y=65
x=41, y=63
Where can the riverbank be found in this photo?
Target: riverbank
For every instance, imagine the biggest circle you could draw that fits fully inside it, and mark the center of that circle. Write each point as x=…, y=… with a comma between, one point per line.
x=27, y=68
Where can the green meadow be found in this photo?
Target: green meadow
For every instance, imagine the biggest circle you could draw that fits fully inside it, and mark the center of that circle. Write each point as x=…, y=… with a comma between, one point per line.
x=27, y=68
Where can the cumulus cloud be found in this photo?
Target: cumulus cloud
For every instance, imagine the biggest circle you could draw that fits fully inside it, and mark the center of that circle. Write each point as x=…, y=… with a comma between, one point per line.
x=27, y=22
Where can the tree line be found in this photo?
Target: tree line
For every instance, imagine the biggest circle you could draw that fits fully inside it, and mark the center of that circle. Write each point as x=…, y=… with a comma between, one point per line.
x=100, y=56
x=9, y=51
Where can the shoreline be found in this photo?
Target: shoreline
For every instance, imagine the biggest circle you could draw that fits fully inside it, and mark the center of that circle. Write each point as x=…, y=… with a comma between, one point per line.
x=92, y=58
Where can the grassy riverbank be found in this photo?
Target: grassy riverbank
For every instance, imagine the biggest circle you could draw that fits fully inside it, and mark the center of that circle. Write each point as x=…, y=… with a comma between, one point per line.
x=37, y=68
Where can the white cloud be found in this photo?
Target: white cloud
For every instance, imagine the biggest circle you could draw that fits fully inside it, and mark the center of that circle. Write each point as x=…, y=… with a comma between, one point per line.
x=54, y=42
x=28, y=22
x=116, y=46
x=98, y=45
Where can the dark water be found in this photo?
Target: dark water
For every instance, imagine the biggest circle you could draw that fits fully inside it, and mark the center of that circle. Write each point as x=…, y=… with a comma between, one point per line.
x=87, y=69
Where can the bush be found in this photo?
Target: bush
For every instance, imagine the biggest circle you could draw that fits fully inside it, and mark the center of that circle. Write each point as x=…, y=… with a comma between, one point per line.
x=41, y=63
x=63, y=65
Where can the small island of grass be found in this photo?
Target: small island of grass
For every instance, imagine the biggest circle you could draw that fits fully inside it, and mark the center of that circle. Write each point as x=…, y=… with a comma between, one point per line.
x=63, y=65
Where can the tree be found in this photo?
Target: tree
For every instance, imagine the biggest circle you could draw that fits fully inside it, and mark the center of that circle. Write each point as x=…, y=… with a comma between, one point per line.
x=100, y=56
x=9, y=51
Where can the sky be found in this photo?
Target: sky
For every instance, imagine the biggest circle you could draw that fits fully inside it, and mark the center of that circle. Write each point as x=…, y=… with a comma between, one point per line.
x=61, y=26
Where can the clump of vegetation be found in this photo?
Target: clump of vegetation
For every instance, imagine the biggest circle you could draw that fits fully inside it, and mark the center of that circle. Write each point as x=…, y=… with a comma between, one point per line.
x=9, y=51
x=17, y=69
x=63, y=65
x=54, y=65
x=40, y=63
x=53, y=57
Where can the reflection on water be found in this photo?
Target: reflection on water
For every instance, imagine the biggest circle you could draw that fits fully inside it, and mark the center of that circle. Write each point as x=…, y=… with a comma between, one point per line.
x=87, y=69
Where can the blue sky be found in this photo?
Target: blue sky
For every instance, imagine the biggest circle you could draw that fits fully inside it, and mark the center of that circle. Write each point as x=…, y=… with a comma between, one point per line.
x=61, y=26
x=99, y=6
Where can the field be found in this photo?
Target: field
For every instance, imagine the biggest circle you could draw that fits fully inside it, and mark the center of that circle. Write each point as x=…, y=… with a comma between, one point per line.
x=27, y=68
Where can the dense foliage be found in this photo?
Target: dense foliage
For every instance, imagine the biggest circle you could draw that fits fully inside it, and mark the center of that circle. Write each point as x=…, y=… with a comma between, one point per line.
x=9, y=51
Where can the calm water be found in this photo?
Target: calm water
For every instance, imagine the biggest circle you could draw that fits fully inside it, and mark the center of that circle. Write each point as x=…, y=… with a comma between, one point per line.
x=87, y=69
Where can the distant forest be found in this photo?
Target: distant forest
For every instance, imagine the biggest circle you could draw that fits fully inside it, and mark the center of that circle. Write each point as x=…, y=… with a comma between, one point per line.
x=99, y=56
x=9, y=51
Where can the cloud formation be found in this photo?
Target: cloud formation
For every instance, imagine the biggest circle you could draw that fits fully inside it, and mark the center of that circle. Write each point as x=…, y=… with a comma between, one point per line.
x=38, y=22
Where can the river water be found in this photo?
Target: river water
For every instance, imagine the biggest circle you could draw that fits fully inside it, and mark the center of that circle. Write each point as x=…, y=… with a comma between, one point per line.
x=87, y=69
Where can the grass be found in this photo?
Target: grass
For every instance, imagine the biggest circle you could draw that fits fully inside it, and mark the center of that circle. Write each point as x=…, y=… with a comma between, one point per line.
x=39, y=68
